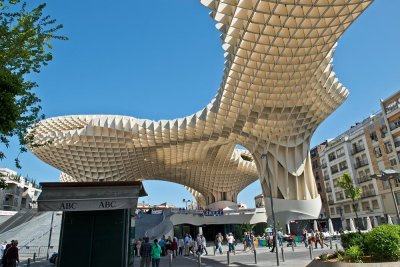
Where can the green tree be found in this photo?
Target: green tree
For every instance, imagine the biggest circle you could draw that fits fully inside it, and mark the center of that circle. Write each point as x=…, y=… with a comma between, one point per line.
x=351, y=190
x=25, y=46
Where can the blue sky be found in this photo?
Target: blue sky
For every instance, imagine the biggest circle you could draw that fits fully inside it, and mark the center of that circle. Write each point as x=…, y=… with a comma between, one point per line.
x=163, y=59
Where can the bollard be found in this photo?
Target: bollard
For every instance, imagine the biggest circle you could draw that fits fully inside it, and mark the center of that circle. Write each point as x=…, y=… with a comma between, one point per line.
x=293, y=246
x=330, y=242
x=255, y=256
x=283, y=255
x=38, y=252
x=34, y=256
x=311, y=253
x=214, y=250
x=199, y=260
x=227, y=255
x=29, y=262
x=170, y=259
x=336, y=248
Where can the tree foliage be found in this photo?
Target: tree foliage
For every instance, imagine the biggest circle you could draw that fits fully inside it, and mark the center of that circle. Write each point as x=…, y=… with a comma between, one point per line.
x=352, y=191
x=25, y=46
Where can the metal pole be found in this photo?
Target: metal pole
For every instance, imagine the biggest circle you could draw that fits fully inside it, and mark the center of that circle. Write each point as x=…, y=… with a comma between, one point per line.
x=310, y=248
x=272, y=210
x=283, y=255
x=293, y=245
x=330, y=241
x=170, y=259
x=255, y=256
x=336, y=248
x=227, y=255
x=51, y=230
x=395, y=202
x=199, y=260
x=34, y=256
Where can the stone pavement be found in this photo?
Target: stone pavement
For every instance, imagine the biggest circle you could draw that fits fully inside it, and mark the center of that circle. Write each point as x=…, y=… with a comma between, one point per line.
x=300, y=257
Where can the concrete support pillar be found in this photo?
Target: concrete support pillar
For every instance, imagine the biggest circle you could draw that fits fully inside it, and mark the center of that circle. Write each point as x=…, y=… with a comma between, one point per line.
x=200, y=230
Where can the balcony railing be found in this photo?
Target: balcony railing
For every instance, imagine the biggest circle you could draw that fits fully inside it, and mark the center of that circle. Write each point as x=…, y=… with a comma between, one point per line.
x=331, y=158
x=360, y=163
x=334, y=171
x=8, y=203
x=339, y=198
x=363, y=179
x=368, y=193
x=356, y=149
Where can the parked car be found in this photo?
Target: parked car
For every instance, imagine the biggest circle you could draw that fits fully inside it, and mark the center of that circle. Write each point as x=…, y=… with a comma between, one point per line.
x=53, y=258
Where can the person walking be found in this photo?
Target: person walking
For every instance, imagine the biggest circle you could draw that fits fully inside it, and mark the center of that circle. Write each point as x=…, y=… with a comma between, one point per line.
x=305, y=238
x=231, y=243
x=155, y=254
x=273, y=241
x=280, y=238
x=218, y=242
x=181, y=245
x=145, y=253
x=4, y=258
x=12, y=255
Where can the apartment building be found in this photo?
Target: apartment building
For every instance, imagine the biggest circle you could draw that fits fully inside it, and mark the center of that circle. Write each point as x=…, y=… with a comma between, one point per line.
x=365, y=149
x=20, y=192
x=318, y=175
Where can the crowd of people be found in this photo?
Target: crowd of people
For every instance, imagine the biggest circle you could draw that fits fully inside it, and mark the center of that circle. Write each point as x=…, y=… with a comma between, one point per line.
x=9, y=254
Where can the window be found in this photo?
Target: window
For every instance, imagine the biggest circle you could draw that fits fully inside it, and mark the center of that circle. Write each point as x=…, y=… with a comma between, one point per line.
x=339, y=211
x=335, y=184
x=365, y=206
x=388, y=147
x=332, y=156
x=375, y=204
x=347, y=209
x=377, y=151
x=393, y=162
x=340, y=152
x=333, y=211
x=334, y=169
x=374, y=137
x=355, y=207
x=397, y=197
x=343, y=165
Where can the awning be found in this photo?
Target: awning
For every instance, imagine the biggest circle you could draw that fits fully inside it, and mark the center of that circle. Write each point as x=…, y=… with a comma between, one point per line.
x=87, y=196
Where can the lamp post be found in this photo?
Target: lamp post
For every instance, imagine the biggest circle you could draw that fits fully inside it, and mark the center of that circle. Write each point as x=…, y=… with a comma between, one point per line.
x=387, y=175
x=264, y=156
x=186, y=202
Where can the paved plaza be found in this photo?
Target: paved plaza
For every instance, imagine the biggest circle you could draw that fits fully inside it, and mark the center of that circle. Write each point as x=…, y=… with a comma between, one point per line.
x=299, y=257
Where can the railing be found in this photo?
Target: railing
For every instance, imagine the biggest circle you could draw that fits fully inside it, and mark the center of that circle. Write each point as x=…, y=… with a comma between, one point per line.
x=334, y=171
x=39, y=251
x=368, y=193
x=363, y=179
x=360, y=163
x=357, y=149
x=395, y=125
x=8, y=203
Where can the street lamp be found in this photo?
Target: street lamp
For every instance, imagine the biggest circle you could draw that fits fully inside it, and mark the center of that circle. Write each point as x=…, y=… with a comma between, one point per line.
x=264, y=156
x=387, y=175
x=186, y=202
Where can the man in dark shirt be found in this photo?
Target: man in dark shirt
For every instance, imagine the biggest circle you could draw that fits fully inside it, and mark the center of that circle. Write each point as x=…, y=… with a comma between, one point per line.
x=145, y=253
x=12, y=255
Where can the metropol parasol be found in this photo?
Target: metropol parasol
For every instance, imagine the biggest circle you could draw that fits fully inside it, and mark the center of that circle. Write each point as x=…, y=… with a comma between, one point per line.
x=278, y=85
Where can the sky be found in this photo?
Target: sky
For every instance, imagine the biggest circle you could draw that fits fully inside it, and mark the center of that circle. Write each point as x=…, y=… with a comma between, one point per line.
x=163, y=60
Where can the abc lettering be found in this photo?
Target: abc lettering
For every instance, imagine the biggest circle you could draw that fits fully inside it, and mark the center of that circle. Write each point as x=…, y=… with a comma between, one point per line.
x=107, y=204
x=68, y=206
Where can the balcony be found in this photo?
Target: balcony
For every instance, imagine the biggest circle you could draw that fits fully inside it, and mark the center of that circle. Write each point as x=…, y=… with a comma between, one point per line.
x=331, y=202
x=363, y=179
x=368, y=193
x=328, y=189
x=331, y=157
x=394, y=125
x=360, y=163
x=397, y=143
x=324, y=165
x=357, y=149
x=340, y=198
x=326, y=177
x=334, y=171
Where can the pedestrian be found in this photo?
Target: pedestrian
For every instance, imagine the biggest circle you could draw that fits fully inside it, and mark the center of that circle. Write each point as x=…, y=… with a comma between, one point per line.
x=273, y=241
x=181, y=245
x=231, y=243
x=187, y=244
x=174, y=247
x=280, y=238
x=162, y=245
x=204, y=245
x=3, y=257
x=155, y=254
x=145, y=253
x=218, y=242
x=305, y=238
x=12, y=254
x=138, y=245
